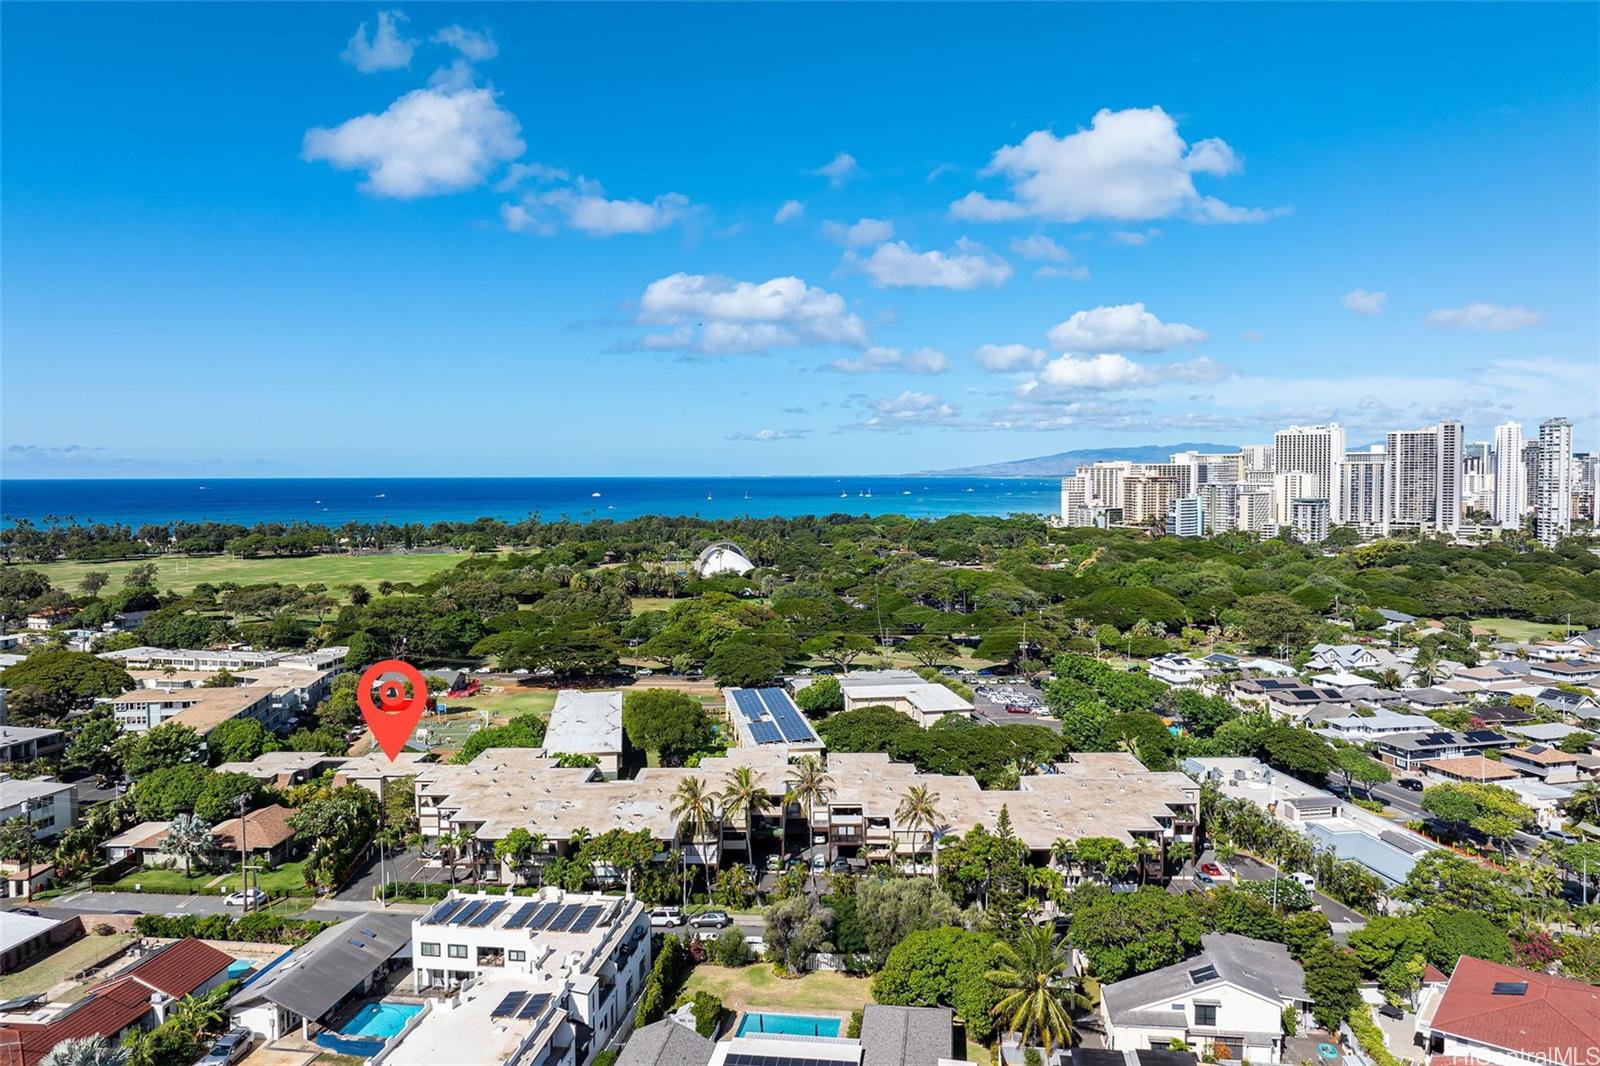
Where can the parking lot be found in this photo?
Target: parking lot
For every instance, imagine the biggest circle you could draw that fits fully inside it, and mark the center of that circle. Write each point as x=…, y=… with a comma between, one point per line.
x=1000, y=701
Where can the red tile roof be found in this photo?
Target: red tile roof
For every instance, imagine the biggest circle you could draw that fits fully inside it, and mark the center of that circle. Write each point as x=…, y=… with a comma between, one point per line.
x=176, y=970
x=1553, y=1021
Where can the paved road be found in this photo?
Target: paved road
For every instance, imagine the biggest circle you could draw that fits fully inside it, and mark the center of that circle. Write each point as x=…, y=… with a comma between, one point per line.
x=1248, y=869
x=137, y=902
x=1410, y=804
x=407, y=866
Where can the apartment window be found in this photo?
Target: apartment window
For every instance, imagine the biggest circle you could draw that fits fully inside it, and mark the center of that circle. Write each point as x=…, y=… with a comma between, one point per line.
x=430, y=950
x=1205, y=1014
x=458, y=951
x=517, y=956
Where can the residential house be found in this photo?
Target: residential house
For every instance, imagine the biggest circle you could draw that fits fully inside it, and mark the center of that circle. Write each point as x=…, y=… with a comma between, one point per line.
x=1357, y=729
x=1407, y=751
x=890, y=1036
x=49, y=618
x=1473, y=768
x=1498, y=1015
x=1569, y=704
x=1551, y=765
x=1432, y=699
x=1582, y=674
x=135, y=999
x=1348, y=657
x=264, y=834
x=1228, y=1001
x=1179, y=670
x=339, y=963
x=1500, y=716
x=1546, y=732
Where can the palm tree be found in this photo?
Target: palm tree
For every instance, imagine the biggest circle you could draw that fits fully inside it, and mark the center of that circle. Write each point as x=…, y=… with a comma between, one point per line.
x=189, y=838
x=1040, y=992
x=695, y=807
x=198, y=1015
x=919, y=807
x=743, y=795
x=811, y=786
x=87, y=1051
x=1585, y=800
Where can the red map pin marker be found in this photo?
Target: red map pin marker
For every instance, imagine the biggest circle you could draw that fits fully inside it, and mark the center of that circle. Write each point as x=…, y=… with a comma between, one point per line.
x=394, y=717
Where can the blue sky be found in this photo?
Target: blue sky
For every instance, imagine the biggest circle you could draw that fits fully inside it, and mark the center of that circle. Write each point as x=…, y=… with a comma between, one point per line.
x=348, y=239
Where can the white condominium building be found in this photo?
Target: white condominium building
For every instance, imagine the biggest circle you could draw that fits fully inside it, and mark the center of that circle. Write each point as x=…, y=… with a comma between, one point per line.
x=1554, y=499
x=1105, y=481
x=1510, y=484
x=1288, y=486
x=1422, y=486
x=1146, y=497
x=1186, y=517
x=1314, y=450
x=1477, y=477
x=1074, y=500
x=1310, y=520
x=1255, y=459
x=1358, y=500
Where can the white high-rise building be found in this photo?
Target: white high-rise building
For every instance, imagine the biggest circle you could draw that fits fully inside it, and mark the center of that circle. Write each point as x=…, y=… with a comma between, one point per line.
x=1253, y=509
x=1255, y=459
x=1422, y=479
x=1186, y=517
x=1104, y=481
x=1360, y=492
x=1309, y=517
x=1288, y=486
x=1074, y=500
x=1313, y=450
x=1510, y=486
x=1554, y=498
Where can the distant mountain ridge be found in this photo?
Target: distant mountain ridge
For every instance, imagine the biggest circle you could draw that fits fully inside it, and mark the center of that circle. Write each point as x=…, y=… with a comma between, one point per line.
x=1064, y=464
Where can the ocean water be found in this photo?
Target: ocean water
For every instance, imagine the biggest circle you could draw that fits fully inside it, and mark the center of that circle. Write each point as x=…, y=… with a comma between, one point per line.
x=334, y=501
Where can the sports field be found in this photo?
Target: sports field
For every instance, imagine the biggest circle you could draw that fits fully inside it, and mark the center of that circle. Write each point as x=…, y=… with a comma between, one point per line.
x=180, y=574
x=1516, y=628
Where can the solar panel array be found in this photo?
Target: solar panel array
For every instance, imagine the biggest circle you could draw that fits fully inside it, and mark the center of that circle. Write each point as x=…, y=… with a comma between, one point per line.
x=771, y=717
x=465, y=914
x=487, y=915
x=585, y=921
x=744, y=1058
x=535, y=1005
x=508, y=1006
x=443, y=911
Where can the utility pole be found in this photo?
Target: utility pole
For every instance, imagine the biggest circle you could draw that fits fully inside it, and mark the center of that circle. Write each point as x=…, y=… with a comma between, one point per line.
x=244, y=854
x=383, y=880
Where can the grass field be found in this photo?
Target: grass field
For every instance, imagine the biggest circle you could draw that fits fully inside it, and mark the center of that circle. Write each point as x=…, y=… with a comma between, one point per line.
x=181, y=575
x=642, y=604
x=54, y=969
x=1515, y=628
x=756, y=987
x=506, y=701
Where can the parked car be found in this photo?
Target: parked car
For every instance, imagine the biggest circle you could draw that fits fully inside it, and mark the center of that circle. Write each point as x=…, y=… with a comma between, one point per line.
x=711, y=920
x=251, y=897
x=1389, y=1010
x=643, y=671
x=1560, y=836
x=840, y=866
x=1307, y=882
x=1203, y=878
x=774, y=863
x=666, y=918
x=1211, y=869
x=819, y=864
x=1411, y=784
x=1014, y=709
x=229, y=1048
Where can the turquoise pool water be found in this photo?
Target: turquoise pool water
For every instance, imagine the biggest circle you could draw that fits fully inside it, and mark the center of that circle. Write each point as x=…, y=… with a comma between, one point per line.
x=787, y=1024
x=381, y=1020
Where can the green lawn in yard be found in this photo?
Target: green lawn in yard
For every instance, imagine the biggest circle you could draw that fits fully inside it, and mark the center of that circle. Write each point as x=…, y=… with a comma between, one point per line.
x=53, y=969
x=756, y=987
x=1516, y=628
x=156, y=879
x=286, y=879
x=180, y=574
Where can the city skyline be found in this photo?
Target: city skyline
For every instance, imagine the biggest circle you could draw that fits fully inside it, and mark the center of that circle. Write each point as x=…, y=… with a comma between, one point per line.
x=347, y=240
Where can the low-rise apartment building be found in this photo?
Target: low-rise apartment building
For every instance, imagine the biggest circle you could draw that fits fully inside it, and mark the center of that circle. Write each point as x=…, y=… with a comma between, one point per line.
x=50, y=806
x=201, y=709
x=587, y=723
x=924, y=701
x=25, y=744
x=582, y=956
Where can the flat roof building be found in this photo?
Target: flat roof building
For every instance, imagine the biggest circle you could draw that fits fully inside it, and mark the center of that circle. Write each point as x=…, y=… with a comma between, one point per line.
x=587, y=723
x=768, y=717
x=924, y=701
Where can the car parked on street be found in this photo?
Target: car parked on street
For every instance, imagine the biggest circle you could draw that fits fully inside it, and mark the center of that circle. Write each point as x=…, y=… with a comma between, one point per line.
x=1411, y=784
x=666, y=918
x=1212, y=870
x=249, y=897
x=711, y=920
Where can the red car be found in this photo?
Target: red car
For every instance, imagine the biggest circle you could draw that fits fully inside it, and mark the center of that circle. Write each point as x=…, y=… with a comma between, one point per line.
x=1211, y=869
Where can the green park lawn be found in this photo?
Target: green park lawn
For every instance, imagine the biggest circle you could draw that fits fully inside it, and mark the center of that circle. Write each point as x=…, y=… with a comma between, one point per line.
x=182, y=574
x=505, y=701
x=1516, y=628
x=61, y=965
x=756, y=987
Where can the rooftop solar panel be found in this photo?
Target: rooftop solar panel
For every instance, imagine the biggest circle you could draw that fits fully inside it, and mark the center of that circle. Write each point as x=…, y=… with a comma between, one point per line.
x=542, y=916
x=568, y=914
x=585, y=921
x=488, y=914
x=462, y=916
x=534, y=1006
x=509, y=1005
x=523, y=913
x=443, y=911
x=765, y=733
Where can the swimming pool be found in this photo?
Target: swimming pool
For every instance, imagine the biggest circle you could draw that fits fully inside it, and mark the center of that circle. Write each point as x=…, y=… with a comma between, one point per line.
x=787, y=1024
x=381, y=1020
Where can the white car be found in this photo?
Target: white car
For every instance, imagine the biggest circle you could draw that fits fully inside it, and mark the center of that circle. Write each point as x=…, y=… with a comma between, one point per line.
x=253, y=897
x=666, y=918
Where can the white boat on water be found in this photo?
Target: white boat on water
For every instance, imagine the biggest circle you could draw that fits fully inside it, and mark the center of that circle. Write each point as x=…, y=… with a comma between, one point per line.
x=594, y=495
x=380, y=495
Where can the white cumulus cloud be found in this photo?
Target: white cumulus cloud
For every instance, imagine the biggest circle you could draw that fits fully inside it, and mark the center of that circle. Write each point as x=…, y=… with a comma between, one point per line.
x=1491, y=317
x=1112, y=370
x=1128, y=166
x=474, y=47
x=791, y=209
x=1363, y=302
x=1125, y=327
x=866, y=231
x=429, y=141
x=721, y=315
x=585, y=207
x=838, y=170
x=766, y=435
x=970, y=266
x=385, y=49
x=1004, y=357
x=907, y=411
x=916, y=361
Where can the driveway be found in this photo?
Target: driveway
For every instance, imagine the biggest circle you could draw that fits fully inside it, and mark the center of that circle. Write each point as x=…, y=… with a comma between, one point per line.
x=1248, y=869
x=409, y=865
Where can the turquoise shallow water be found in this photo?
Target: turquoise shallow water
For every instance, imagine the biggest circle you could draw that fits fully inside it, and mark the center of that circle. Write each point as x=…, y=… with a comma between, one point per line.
x=334, y=501
x=788, y=1025
x=380, y=1019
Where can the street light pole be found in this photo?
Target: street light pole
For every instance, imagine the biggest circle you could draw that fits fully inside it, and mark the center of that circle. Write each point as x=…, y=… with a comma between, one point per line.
x=244, y=855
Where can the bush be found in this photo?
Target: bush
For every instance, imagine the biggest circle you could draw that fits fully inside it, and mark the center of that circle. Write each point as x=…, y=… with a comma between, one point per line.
x=730, y=949
x=853, y=1030
x=709, y=1014
x=1370, y=1037
x=1291, y=1021
x=252, y=928
x=672, y=965
x=102, y=929
x=606, y=1058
